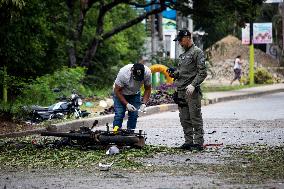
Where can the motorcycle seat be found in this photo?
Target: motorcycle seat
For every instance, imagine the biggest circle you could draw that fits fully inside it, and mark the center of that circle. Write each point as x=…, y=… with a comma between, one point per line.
x=39, y=108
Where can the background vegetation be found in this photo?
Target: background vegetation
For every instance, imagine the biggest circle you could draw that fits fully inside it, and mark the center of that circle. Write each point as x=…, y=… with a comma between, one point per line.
x=82, y=44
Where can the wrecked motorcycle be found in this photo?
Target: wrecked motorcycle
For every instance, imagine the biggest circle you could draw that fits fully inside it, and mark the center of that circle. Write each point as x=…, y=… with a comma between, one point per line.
x=92, y=139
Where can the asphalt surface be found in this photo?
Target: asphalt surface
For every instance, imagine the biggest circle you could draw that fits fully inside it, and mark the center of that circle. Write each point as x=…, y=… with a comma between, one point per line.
x=239, y=122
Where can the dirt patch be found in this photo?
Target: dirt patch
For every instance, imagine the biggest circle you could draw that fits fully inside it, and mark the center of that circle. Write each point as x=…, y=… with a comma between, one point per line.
x=222, y=55
x=230, y=46
x=10, y=126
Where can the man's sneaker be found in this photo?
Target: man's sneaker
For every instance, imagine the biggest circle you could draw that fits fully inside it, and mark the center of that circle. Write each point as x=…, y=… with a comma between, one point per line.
x=186, y=146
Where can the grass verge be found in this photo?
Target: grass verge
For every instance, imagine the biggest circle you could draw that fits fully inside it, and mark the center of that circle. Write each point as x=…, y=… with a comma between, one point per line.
x=213, y=88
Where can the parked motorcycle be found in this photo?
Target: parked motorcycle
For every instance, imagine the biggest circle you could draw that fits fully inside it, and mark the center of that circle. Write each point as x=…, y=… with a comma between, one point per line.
x=65, y=108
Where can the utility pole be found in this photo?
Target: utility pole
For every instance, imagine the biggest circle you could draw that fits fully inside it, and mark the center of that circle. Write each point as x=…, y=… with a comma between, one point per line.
x=179, y=26
x=153, y=44
x=251, y=54
x=160, y=26
x=251, y=46
x=153, y=38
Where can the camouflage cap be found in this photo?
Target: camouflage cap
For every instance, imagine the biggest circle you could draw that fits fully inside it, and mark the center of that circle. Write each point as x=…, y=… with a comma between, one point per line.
x=181, y=34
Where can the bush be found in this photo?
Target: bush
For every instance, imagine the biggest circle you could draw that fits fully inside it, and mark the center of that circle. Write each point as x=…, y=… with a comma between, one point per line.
x=262, y=76
x=40, y=91
x=5, y=110
x=155, y=59
x=244, y=80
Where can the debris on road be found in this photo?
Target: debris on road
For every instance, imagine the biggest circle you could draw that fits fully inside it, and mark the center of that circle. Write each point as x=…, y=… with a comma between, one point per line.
x=112, y=150
x=105, y=167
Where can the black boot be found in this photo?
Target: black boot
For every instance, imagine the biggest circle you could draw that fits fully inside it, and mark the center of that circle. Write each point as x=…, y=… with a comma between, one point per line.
x=197, y=147
x=186, y=146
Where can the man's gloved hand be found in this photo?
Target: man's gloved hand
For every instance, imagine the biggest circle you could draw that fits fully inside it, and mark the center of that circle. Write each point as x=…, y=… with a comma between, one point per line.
x=171, y=72
x=130, y=107
x=143, y=107
x=189, y=89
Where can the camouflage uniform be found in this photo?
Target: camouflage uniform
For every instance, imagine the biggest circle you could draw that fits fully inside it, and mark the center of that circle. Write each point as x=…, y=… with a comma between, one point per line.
x=191, y=70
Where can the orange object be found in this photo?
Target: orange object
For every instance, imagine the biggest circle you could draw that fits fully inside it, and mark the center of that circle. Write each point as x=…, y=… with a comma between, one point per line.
x=205, y=145
x=163, y=69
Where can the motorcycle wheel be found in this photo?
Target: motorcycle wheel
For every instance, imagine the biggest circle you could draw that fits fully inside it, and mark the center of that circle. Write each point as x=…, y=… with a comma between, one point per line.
x=73, y=115
x=36, y=119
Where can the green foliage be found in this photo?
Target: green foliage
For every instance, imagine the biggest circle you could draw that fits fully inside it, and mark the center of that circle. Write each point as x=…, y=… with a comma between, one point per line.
x=16, y=3
x=262, y=76
x=115, y=52
x=156, y=59
x=212, y=88
x=40, y=91
x=13, y=81
x=34, y=36
x=32, y=42
x=219, y=18
x=244, y=80
x=6, y=110
x=101, y=93
x=12, y=84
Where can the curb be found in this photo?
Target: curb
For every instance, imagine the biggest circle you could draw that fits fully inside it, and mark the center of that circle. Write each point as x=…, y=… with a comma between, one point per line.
x=103, y=120
x=23, y=133
x=242, y=96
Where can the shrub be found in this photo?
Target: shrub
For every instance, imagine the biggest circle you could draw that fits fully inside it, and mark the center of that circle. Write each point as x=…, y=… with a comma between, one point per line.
x=262, y=76
x=244, y=80
x=40, y=91
x=5, y=110
x=155, y=59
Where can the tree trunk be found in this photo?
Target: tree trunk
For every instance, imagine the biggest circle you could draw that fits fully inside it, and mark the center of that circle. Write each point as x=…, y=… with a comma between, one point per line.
x=5, y=87
x=72, y=57
x=101, y=36
x=90, y=53
x=282, y=52
x=71, y=47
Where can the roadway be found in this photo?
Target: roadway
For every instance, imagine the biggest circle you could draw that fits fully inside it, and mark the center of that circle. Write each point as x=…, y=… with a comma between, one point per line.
x=239, y=122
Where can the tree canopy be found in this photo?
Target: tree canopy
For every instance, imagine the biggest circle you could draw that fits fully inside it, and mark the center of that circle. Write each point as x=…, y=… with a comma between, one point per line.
x=203, y=9
x=40, y=37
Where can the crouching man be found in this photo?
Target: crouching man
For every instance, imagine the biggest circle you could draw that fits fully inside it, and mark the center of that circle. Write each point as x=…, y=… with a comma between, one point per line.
x=127, y=95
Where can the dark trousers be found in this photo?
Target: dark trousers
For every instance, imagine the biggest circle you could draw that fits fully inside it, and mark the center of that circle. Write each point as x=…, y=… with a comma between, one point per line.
x=238, y=73
x=191, y=118
x=120, y=109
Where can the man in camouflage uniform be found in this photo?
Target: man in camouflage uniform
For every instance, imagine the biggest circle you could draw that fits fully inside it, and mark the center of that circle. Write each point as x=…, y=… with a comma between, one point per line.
x=190, y=73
